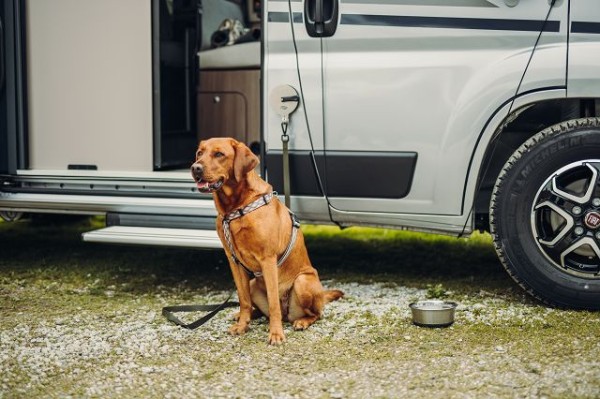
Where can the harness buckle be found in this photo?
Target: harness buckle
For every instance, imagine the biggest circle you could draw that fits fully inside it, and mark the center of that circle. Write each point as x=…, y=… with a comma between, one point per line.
x=295, y=221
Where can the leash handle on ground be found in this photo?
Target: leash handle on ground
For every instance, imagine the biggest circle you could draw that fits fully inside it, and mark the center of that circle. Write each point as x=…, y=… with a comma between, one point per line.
x=168, y=312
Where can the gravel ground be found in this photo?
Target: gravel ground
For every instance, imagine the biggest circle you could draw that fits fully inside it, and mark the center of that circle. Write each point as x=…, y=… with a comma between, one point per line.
x=365, y=346
x=83, y=321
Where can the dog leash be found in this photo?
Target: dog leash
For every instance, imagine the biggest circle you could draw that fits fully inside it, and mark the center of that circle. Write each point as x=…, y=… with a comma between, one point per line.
x=168, y=312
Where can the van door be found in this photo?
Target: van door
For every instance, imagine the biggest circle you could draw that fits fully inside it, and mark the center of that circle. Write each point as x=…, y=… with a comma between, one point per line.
x=583, y=52
x=292, y=57
x=175, y=27
x=408, y=86
x=11, y=88
x=3, y=100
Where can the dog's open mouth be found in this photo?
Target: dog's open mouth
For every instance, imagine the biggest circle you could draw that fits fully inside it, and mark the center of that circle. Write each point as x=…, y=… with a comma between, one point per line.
x=208, y=187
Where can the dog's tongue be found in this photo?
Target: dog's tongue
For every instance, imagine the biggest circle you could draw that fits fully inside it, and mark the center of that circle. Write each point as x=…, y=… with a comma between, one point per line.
x=202, y=185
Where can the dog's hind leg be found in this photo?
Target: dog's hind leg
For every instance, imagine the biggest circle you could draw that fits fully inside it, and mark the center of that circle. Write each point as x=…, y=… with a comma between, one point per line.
x=306, y=302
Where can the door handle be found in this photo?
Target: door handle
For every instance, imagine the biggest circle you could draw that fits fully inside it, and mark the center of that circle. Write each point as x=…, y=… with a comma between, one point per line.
x=321, y=17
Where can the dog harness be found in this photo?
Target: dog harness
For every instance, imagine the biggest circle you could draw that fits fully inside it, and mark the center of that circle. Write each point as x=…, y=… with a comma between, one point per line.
x=238, y=213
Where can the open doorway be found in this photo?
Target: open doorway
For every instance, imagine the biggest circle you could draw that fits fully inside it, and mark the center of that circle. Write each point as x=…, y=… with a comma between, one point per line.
x=175, y=42
x=131, y=88
x=206, y=69
x=228, y=93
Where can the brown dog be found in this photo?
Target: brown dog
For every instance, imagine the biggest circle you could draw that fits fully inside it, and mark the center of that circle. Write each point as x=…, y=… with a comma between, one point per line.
x=257, y=237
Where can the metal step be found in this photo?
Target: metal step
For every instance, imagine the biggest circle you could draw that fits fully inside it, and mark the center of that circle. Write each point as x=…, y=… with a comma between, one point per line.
x=155, y=236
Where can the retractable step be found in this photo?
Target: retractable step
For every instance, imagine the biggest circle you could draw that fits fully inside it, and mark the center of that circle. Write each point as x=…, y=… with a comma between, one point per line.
x=193, y=238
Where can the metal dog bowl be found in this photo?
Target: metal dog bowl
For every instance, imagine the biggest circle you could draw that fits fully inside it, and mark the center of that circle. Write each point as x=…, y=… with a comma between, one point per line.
x=433, y=313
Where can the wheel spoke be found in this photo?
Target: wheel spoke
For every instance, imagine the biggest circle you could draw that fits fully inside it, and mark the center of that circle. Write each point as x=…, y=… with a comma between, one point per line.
x=560, y=247
x=595, y=184
x=569, y=223
x=587, y=195
x=578, y=244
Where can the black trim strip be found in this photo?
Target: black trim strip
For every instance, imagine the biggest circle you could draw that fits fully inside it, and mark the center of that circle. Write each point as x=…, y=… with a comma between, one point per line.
x=278, y=16
x=429, y=3
x=585, y=27
x=352, y=174
x=524, y=25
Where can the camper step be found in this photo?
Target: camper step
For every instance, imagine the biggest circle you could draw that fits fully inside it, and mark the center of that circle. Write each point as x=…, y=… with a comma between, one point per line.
x=193, y=238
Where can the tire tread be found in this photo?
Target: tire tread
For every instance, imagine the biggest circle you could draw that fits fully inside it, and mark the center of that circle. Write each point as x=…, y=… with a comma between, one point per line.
x=532, y=142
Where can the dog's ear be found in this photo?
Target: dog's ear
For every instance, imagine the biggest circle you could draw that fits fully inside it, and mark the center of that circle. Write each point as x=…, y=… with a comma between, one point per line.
x=244, y=160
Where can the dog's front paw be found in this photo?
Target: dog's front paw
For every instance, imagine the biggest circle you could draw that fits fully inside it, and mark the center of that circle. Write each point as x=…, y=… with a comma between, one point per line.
x=276, y=337
x=239, y=329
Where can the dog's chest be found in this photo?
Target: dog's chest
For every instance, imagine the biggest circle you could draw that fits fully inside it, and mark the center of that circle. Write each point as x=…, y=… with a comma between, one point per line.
x=250, y=244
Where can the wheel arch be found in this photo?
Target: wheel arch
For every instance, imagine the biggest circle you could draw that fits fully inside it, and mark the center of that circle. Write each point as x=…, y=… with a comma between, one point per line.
x=508, y=135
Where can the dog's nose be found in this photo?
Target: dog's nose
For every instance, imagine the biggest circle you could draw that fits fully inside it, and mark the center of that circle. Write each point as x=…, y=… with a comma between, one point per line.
x=197, y=170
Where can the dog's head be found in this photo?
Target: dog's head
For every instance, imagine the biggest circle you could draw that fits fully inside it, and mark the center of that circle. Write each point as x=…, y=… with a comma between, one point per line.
x=221, y=161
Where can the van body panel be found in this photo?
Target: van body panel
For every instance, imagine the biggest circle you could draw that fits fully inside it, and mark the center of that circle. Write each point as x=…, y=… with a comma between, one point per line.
x=297, y=63
x=584, y=49
x=453, y=70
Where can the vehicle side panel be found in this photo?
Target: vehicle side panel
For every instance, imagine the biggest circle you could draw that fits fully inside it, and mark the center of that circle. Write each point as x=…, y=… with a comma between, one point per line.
x=584, y=49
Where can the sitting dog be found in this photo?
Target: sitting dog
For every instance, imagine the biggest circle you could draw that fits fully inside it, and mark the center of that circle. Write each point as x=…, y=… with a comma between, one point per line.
x=261, y=239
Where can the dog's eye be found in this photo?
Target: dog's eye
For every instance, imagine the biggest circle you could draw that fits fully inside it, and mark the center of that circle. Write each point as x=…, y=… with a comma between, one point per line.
x=219, y=154
x=198, y=154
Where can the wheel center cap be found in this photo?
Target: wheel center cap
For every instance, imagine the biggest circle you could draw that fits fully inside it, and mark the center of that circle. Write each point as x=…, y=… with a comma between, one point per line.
x=592, y=220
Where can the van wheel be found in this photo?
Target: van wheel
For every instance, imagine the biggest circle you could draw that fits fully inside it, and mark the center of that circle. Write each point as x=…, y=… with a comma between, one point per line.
x=545, y=215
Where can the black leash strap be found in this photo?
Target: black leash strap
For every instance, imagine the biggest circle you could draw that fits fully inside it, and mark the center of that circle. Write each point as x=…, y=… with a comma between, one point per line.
x=168, y=312
x=285, y=139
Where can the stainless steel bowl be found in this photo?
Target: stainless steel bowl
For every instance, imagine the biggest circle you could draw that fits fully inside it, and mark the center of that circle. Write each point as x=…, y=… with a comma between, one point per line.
x=433, y=313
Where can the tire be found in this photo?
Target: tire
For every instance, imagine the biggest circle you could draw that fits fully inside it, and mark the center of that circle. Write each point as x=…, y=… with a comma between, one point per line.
x=545, y=215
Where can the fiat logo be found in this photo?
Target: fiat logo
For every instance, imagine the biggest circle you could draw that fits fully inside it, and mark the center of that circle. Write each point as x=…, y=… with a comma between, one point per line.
x=592, y=220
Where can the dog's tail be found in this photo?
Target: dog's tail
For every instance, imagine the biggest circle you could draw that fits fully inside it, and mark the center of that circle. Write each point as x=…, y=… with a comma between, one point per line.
x=332, y=295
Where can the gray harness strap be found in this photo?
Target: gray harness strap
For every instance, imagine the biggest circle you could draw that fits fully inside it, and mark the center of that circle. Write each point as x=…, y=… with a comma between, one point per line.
x=238, y=213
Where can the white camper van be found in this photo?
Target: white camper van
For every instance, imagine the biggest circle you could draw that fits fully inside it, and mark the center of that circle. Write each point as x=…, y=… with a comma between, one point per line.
x=433, y=115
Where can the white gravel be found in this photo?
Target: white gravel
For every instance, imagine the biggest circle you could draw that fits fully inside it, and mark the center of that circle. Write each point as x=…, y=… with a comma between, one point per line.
x=365, y=346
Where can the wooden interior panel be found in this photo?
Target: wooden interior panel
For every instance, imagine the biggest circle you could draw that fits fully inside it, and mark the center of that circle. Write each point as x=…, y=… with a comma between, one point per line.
x=222, y=114
x=229, y=104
